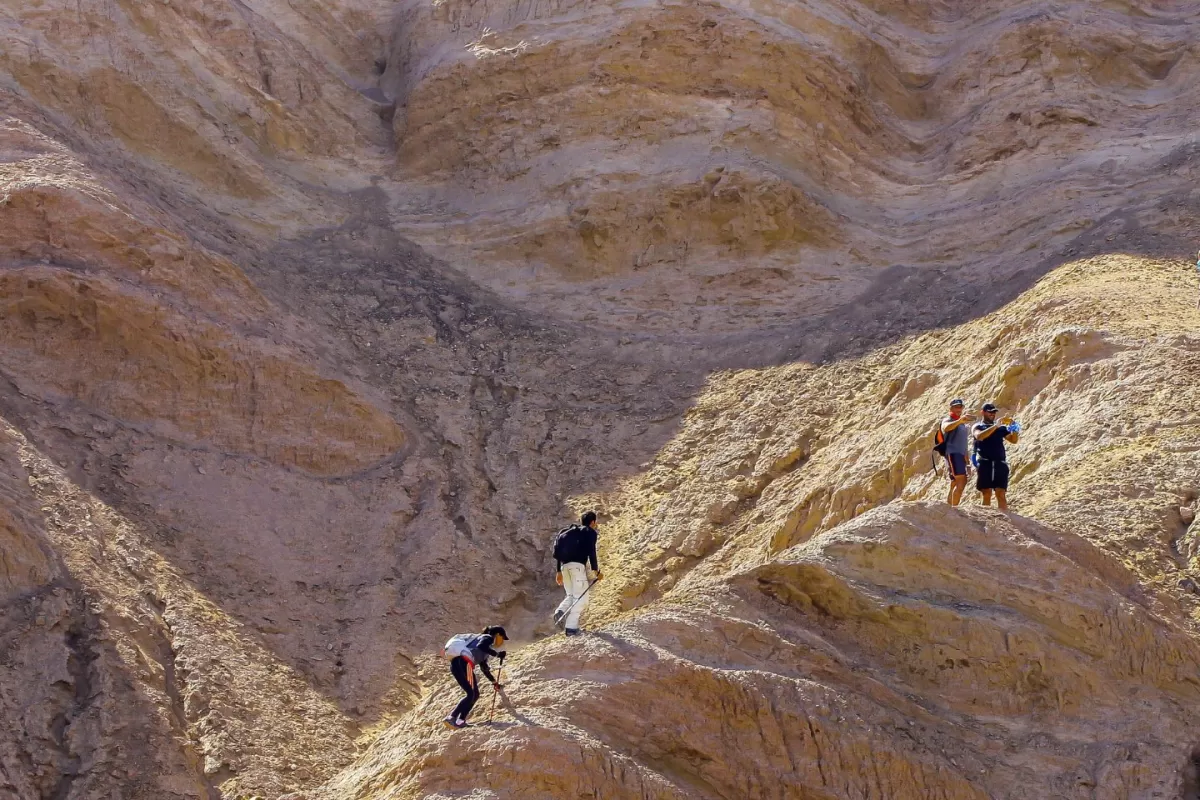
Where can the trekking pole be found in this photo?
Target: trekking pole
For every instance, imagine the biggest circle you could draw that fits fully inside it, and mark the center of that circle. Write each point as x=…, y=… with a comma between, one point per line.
x=577, y=599
x=495, y=691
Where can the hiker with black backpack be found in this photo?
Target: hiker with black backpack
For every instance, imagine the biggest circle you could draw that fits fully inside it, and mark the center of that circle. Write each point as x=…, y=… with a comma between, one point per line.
x=956, y=436
x=574, y=549
x=467, y=651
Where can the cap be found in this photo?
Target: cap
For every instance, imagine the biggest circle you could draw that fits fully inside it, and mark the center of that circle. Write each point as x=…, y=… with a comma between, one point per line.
x=958, y=401
x=990, y=407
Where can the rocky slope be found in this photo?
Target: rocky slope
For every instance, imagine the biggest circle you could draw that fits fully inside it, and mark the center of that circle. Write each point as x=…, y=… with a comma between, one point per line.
x=316, y=318
x=881, y=659
x=776, y=625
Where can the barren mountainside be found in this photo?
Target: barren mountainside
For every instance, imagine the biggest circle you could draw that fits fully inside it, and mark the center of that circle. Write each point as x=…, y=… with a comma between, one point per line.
x=319, y=317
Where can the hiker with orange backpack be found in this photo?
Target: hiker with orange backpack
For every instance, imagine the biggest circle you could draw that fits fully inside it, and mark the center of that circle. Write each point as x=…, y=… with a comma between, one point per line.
x=956, y=436
x=466, y=651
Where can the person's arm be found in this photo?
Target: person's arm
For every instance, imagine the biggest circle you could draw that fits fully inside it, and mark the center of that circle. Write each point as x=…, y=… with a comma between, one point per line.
x=484, y=646
x=952, y=424
x=592, y=553
x=981, y=434
x=1012, y=437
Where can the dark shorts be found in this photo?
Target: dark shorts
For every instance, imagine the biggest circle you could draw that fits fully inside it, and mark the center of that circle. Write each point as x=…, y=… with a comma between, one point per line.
x=992, y=475
x=958, y=464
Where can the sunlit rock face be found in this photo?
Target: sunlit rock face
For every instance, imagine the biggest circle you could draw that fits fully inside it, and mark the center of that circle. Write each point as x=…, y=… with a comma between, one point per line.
x=741, y=164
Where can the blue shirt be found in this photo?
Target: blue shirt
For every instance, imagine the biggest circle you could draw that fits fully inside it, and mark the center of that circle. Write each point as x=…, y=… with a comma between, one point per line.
x=991, y=448
x=956, y=440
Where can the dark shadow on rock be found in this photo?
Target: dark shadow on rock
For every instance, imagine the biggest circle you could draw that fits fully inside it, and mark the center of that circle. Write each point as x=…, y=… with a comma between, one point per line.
x=507, y=705
x=1190, y=789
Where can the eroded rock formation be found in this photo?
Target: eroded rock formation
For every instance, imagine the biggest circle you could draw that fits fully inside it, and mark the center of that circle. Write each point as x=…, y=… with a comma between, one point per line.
x=317, y=318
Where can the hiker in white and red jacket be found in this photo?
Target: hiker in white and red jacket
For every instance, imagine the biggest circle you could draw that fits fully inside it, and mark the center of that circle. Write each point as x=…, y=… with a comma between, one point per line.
x=467, y=651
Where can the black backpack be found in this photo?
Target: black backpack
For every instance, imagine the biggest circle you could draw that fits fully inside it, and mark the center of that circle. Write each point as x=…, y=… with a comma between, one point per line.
x=564, y=542
x=939, y=446
x=939, y=440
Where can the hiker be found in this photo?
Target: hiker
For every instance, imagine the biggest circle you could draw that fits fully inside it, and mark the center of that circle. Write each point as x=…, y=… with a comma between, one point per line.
x=992, y=468
x=574, y=548
x=466, y=651
x=957, y=431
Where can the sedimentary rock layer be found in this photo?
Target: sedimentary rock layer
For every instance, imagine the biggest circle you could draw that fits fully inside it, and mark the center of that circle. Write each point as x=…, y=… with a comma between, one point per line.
x=713, y=271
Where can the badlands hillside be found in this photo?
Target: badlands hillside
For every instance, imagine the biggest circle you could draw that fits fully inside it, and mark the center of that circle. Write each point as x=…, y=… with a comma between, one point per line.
x=319, y=317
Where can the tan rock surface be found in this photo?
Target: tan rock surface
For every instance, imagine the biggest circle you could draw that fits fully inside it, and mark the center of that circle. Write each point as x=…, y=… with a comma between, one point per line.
x=880, y=659
x=317, y=318
x=645, y=152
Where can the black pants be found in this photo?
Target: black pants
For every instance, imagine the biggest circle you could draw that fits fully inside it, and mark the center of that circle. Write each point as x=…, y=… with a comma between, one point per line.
x=459, y=668
x=991, y=475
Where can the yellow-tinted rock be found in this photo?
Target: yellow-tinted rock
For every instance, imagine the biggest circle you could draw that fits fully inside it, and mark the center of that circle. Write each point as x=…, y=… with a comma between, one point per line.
x=123, y=354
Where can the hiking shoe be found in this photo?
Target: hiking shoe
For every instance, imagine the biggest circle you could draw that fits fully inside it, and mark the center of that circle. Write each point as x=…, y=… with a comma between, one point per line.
x=573, y=632
x=558, y=617
x=450, y=723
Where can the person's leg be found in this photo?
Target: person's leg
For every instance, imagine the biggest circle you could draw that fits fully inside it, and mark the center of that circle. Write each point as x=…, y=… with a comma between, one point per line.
x=1002, y=485
x=958, y=468
x=579, y=585
x=981, y=483
x=464, y=673
x=570, y=593
x=960, y=483
x=474, y=698
x=464, y=707
x=567, y=598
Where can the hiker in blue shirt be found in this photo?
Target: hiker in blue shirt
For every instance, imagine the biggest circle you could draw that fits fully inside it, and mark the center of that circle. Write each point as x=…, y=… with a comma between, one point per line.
x=992, y=466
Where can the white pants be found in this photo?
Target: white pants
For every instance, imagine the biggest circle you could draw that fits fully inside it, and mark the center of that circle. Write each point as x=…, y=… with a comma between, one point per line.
x=575, y=583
